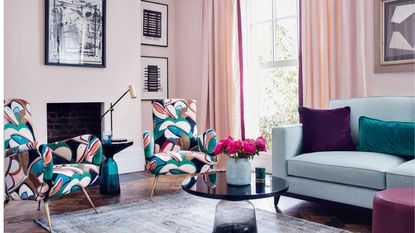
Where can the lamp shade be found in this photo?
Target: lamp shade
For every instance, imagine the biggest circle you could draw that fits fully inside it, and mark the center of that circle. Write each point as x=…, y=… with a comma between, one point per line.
x=131, y=88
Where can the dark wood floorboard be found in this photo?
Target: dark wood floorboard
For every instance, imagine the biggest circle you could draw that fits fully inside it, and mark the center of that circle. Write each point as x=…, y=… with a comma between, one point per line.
x=18, y=215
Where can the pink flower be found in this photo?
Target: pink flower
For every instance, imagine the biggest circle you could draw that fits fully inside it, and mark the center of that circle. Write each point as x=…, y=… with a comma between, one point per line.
x=226, y=141
x=218, y=148
x=249, y=147
x=261, y=144
x=234, y=147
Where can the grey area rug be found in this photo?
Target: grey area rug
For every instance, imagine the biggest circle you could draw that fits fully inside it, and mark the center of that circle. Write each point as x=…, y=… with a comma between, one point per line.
x=179, y=213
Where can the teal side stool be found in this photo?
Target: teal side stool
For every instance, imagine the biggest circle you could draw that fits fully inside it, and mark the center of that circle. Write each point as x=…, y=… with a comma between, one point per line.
x=110, y=181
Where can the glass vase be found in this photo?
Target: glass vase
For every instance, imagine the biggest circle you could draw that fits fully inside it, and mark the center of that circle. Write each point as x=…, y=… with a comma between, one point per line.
x=238, y=171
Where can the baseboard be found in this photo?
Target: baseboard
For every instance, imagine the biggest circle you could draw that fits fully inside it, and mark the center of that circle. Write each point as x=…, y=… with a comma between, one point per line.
x=130, y=160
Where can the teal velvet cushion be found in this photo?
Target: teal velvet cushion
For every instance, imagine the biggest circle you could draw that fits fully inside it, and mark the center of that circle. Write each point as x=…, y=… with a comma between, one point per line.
x=390, y=137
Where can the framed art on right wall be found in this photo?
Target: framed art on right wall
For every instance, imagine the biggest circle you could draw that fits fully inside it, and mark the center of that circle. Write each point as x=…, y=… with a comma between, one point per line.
x=394, y=35
x=154, y=76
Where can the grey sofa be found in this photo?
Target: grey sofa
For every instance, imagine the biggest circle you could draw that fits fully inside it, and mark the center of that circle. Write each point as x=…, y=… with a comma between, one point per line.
x=349, y=177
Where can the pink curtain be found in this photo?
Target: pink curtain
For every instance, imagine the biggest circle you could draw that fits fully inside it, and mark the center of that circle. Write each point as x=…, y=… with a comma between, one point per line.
x=221, y=80
x=220, y=101
x=333, y=50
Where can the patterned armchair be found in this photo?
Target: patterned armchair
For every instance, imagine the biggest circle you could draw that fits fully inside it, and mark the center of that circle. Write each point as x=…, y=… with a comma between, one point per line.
x=175, y=147
x=39, y=172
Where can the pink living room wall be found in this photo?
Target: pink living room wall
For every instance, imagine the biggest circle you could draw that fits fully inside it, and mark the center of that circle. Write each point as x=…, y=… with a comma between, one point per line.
x=382, y=84
x=26, y=76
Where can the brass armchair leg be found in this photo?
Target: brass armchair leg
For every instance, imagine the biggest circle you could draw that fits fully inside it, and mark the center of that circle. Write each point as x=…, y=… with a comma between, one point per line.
x=48, y=215
x=154, y=185
x=89, y=199
x=38, y=205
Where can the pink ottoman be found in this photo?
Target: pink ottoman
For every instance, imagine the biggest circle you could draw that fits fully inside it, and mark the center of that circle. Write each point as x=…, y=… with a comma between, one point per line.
x=393, y=211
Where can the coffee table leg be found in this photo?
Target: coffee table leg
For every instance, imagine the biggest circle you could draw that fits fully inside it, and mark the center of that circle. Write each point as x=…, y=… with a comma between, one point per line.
x=276, y=200
x=235, y=216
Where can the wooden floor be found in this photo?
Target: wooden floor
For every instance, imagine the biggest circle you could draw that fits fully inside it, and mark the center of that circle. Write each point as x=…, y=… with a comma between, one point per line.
x=19, y=214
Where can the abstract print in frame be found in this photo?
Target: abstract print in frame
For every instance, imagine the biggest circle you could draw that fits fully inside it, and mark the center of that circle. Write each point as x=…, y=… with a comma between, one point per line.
x=154, y=24
x=75, y=33
x=397, y=26
x=154, y=76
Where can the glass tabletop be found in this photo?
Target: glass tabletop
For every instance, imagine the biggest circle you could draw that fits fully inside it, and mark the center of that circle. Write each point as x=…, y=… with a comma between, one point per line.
x=214, y=185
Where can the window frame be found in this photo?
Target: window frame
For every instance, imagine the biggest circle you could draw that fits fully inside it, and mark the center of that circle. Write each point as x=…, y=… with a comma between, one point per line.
x=274, y=63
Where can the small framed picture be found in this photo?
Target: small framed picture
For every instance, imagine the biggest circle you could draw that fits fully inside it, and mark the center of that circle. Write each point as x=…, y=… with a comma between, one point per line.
x=397, y=32
x=75, y=33
x=154, y=76
x=154, y=24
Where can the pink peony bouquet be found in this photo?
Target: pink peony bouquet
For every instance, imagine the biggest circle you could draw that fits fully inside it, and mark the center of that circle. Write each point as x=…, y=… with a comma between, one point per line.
x=237, y=149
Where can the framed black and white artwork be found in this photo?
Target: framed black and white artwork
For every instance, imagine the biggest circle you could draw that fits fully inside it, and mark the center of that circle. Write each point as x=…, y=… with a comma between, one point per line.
x=397, y=32
x=154, y=24
x=154, y=76
x=75, y=33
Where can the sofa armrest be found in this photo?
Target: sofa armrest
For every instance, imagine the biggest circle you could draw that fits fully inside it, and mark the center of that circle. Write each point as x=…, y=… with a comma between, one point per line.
x=286, y=143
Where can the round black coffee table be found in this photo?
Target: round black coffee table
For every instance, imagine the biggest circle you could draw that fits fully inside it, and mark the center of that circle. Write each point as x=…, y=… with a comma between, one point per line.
x=234, y=213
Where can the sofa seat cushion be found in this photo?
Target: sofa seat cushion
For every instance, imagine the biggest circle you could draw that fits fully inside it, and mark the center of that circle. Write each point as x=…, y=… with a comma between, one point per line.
x=402, y=175
x=365, y=169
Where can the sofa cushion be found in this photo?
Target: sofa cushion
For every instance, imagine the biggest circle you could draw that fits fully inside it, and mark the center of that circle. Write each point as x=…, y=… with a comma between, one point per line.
x=366, y=169
x=326, y=130
x=397, y=137
x=402, y=175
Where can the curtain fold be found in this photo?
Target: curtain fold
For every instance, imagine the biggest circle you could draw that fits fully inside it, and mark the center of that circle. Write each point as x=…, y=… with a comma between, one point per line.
x=333, y=50
x=220, y=97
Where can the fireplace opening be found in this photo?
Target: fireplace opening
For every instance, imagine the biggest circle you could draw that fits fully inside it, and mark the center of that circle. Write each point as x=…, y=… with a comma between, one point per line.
x=66, y=120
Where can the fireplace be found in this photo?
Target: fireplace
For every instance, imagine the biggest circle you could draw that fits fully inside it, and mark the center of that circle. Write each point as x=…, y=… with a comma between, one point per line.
x=66, y=120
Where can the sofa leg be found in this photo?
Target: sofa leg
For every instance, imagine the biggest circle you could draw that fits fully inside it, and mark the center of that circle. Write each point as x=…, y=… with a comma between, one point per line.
x=48, y=215
x=89, y=199
x=154, y=185
x=276, y=200
x=38, y=205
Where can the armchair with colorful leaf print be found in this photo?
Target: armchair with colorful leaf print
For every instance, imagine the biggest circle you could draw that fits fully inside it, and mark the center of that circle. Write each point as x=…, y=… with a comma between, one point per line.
x=175, y=147
x=43, y=172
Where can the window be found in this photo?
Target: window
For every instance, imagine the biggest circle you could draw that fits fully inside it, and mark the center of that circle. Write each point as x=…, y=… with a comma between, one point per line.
x=271, y=80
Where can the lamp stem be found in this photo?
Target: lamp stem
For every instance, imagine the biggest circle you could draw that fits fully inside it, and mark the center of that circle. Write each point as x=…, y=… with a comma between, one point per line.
x=111, y=109
x=112, y=105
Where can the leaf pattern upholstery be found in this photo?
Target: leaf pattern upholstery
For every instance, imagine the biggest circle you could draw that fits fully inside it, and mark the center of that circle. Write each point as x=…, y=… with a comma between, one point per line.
x=175, y=147
x=34, y=171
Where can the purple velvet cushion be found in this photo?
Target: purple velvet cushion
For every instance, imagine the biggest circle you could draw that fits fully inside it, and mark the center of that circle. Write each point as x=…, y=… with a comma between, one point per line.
x=326, y=130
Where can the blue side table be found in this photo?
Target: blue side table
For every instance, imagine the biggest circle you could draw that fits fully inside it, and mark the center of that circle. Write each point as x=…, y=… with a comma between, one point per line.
x=110, y=181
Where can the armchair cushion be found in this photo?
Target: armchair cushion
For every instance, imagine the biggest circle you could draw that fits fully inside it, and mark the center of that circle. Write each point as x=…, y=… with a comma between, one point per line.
x=180, y=162
x=148, y=142
x=70, y=177
x=207, y=141
x=174, y=125
x=28, y=174
x=21, y=148
x=82, y=149
x=18, y=128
